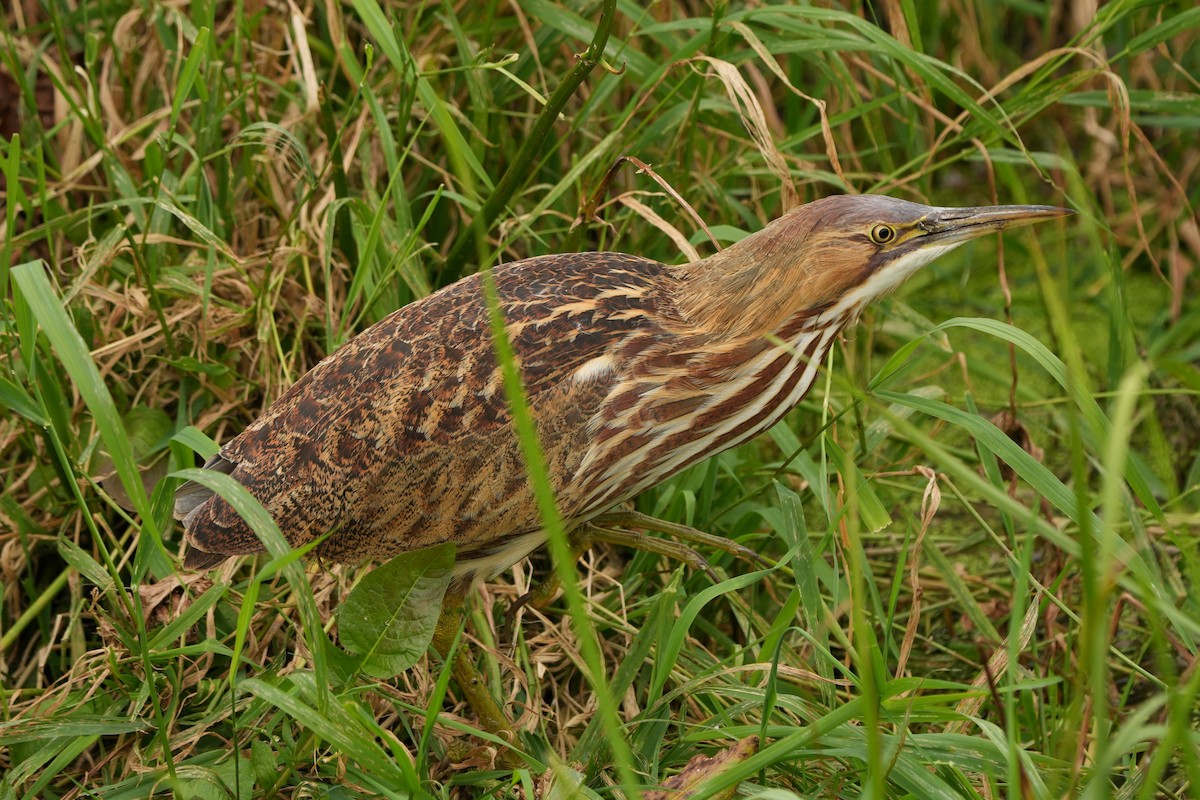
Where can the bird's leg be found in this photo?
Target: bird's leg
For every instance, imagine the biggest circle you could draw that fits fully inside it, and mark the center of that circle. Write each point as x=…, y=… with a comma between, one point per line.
x=583, y=537
x=466, y=675
x=608, y=527
x=651, y=544
x=635, y=519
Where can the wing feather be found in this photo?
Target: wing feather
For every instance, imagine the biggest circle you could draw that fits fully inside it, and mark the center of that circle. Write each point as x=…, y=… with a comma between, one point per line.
x=403, y=437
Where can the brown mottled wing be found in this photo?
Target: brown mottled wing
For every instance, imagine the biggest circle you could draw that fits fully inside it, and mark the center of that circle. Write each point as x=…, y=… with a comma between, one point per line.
x=403, y=438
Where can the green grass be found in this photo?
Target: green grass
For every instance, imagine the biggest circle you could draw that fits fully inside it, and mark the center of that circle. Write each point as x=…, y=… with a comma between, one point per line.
x=201, y=201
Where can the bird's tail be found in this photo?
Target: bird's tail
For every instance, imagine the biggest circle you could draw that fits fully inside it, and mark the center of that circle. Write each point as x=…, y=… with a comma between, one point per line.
x=214, y=530
x=192, y=495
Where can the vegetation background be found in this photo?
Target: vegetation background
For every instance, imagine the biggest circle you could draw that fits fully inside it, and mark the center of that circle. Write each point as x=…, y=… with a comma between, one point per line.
x=986, y=514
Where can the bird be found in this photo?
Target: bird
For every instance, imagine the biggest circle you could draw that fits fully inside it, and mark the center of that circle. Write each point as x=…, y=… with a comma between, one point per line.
x=633, y=370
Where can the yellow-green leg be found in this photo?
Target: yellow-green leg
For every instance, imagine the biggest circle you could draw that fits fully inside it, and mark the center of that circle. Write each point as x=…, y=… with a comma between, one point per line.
x=467, y=676
x=670, y=548
x=611, y=527
x=635, y=519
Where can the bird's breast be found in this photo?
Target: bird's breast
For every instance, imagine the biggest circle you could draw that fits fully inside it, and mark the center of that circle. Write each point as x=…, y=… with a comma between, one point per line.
x=680, y=401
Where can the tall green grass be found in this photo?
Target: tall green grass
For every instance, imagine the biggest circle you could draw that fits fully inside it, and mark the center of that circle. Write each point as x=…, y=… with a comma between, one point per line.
x=984, y=515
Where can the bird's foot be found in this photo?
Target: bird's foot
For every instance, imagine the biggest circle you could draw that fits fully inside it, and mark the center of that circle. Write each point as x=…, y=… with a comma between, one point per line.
x=686, y=533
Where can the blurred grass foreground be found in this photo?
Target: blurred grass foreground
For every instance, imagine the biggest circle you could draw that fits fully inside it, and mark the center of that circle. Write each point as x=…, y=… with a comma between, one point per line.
x=986, y=514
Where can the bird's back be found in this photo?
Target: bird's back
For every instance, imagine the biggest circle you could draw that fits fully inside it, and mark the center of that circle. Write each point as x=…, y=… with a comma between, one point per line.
x=403, y=438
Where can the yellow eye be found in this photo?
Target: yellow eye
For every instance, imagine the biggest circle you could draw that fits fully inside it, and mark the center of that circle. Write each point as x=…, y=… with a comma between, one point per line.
x=882, y=234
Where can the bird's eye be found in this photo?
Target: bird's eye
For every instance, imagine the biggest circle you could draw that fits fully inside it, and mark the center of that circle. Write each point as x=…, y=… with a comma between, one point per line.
x=882, y=234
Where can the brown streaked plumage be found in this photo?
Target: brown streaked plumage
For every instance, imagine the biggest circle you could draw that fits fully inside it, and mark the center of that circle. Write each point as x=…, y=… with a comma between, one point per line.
x=633, y=371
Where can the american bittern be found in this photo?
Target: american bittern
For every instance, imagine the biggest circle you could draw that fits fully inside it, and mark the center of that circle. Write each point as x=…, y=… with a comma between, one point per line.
x=633, y=371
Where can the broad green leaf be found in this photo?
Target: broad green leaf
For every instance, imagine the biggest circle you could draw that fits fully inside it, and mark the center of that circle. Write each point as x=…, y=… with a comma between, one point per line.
x=1172, y=27
x=389, y=618
x=997, y=441
x=186, y=364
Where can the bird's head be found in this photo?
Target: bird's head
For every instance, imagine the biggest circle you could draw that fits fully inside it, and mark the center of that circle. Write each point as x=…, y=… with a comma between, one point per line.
x=836, y=254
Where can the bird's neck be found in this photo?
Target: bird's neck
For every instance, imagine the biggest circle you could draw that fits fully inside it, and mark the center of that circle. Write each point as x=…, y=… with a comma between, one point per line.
x=762, y=283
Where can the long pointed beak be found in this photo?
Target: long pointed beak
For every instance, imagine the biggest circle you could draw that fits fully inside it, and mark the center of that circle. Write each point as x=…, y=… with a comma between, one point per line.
x=946, y=226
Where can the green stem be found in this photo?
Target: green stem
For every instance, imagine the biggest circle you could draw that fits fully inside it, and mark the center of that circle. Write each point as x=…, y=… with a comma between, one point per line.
x=521, y=168
x=34, y=609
